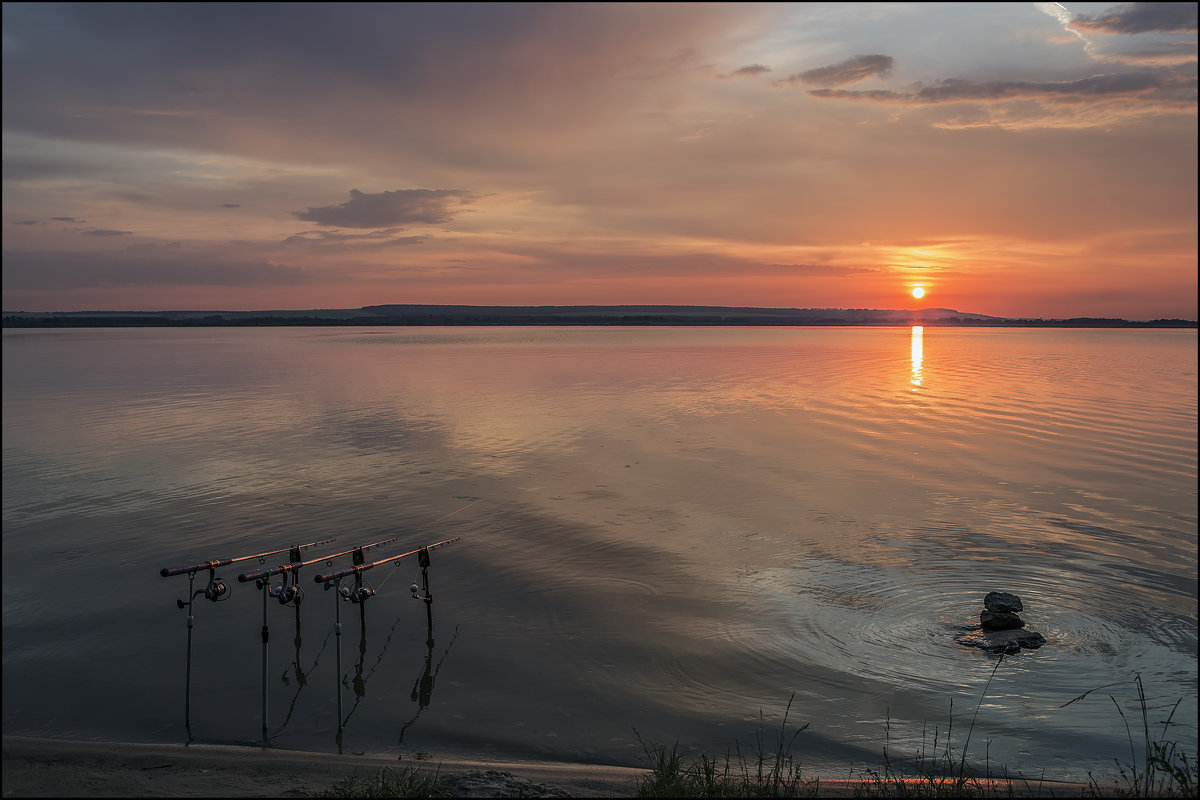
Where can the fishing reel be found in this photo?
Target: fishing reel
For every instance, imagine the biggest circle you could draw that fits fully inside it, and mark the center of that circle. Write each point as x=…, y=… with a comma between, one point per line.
x=357, y=594
x=284, y=593
x=416, y=592
x=217, y=589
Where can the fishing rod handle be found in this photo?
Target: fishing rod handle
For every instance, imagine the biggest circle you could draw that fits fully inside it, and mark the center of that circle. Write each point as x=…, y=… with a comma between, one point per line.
x=266, y=574
x=167, y=572
x=211, y=565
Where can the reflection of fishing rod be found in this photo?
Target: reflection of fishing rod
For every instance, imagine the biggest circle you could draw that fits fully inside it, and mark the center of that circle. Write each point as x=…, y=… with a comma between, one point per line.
x=290, y=592
x=361, y=674
x=216, y=589
x=422, y=691
x=359, y=595
x=301, y=675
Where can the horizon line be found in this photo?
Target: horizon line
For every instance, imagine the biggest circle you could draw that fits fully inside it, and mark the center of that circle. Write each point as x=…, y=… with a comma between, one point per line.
x=590, y=306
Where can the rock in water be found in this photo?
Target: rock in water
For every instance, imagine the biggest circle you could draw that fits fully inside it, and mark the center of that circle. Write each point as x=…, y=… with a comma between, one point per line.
x=1000, y=620
x=997, y=642
x=1002, y=601
x=1000, y=629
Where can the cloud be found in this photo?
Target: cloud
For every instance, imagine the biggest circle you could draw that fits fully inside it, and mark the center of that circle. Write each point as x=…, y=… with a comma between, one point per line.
x=231, y=205
x=615, y=263
x=402, y=206
x=416, y=77
x=140, y=267
x=956, y=90
x=102, y=232
x=822, y=269
x=328, y=240
x=1141, y=18
x=854, y=70
x=1163, y=55
x=750, y=71
x=330, y=236
x=1087, y=102
x=67, y=219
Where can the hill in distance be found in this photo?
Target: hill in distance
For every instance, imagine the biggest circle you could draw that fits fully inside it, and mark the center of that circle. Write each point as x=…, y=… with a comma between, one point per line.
x=413, y=314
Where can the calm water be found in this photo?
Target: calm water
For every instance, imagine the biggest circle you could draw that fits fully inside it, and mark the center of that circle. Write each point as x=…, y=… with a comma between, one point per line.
x=665, y=532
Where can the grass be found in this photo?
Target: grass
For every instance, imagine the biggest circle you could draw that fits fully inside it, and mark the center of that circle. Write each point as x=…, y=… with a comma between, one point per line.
x=936, y=769
x=776, y=773
x=768, y=774
x=1164, y=771
x=940, y=774
x=405, y=782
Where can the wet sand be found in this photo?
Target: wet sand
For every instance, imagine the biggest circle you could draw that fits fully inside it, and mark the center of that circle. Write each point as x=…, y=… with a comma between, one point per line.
x=34, y=767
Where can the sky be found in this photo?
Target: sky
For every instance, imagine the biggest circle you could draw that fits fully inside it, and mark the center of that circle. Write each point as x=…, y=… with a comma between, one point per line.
x=1013, y=159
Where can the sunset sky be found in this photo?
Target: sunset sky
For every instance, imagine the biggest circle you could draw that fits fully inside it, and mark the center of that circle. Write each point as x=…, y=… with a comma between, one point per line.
x=1014, y=159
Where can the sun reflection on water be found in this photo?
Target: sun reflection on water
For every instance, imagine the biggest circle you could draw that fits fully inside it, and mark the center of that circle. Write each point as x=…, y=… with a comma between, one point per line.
x=918, y=332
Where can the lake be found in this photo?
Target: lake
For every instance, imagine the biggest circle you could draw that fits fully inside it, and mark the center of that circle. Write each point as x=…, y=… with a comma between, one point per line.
x=667, y=534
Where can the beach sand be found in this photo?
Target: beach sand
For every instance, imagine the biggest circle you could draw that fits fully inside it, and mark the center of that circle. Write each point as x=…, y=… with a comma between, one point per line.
x=35, y=767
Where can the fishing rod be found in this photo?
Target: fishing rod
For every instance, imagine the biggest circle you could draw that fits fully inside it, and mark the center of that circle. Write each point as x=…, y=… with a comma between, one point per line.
x=284, y=569
x=332, y=578
x=359, y=595
x=167, y=572
x=216, y=590
x=290, y=592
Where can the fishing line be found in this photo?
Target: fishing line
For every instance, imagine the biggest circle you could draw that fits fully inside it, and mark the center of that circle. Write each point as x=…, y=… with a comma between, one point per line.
x=452, y=513
x=389, y=577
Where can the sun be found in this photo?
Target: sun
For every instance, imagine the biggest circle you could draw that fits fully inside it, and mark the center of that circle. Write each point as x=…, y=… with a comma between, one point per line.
x=918, y=292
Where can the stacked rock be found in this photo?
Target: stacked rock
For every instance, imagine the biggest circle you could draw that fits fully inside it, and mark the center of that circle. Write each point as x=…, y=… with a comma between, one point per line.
x=1000, y=612
x=1002, y=626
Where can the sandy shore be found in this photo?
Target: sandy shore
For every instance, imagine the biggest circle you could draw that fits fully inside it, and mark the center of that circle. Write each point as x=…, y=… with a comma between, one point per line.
x=60, y=768
x=36, y=767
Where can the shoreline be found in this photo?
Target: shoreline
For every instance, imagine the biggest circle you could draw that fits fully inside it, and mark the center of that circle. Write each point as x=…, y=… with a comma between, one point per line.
x=38, y=767
x=41, y=767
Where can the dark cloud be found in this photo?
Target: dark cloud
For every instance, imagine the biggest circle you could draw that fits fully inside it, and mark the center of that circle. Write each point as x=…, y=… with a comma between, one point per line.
x=231, y=205
x=23, y=167
x=134, y=197
x=847, y=72
x=103, y=232
x=67, y=219
x=245, y=77
x=1162, y=54
x=330, y=236
x=748, y=71
x=354, y=241
x=1085, y=90
x=399, y=207
x=147, y=266
x=1141, y=18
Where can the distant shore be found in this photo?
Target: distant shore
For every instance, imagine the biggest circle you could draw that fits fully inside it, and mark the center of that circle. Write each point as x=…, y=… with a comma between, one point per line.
x=644, y=316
